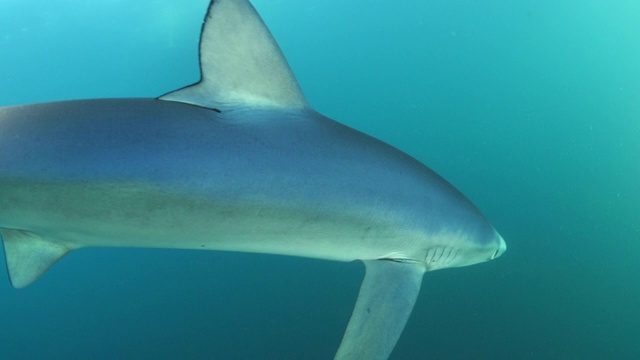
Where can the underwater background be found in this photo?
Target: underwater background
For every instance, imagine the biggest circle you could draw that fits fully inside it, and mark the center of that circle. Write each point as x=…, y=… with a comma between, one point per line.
x=530, y=107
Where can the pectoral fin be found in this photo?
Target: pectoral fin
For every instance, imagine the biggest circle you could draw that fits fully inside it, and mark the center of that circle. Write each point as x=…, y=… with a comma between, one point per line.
x=385, y=301
x=29, y=256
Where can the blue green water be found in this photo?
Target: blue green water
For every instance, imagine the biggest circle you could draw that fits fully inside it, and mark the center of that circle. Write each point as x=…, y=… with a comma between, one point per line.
x=531, y=108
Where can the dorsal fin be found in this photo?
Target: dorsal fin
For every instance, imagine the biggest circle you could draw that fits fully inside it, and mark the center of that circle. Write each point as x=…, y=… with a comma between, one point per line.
x=240, y=63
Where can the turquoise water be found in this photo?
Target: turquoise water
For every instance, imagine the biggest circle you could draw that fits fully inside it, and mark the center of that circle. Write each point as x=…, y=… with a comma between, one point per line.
x=531, y=108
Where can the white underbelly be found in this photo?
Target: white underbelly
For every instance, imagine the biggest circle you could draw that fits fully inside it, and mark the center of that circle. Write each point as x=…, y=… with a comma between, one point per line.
x=128, y=216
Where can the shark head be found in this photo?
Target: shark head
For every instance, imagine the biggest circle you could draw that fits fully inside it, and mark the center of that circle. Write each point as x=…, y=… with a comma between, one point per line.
x=445, y=228
x=462, y=235
x=472, y=249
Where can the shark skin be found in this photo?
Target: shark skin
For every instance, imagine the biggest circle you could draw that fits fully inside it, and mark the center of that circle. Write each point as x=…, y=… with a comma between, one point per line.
x=236, y=162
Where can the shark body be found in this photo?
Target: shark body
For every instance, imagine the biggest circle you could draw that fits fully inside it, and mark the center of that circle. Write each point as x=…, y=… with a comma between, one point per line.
x=238, y=162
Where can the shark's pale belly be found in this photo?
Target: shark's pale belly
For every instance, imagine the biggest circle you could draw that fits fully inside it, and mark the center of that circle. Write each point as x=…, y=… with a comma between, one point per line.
x=78, y=215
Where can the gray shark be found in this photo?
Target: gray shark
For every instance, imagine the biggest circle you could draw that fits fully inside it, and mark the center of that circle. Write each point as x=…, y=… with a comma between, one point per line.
x=240, y=162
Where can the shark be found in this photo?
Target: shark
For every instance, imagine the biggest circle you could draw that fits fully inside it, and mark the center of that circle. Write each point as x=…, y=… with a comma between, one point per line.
x=238, y=161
